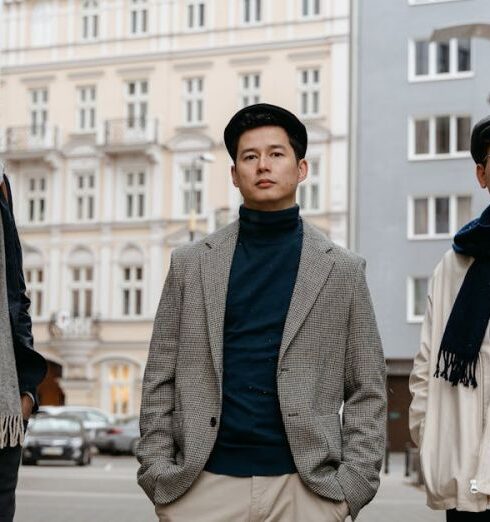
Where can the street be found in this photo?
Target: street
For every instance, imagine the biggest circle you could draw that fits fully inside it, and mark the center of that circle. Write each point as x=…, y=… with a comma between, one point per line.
x=106, y=491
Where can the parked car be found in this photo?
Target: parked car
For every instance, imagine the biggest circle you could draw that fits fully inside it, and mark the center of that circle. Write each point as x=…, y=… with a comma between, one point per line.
x=94, y=421
x=56, y=437
x=122, y=437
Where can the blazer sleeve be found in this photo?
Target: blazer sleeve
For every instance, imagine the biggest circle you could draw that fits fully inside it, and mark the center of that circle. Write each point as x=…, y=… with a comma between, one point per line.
x=419, y=377
x=156, y=448
x=364, y=412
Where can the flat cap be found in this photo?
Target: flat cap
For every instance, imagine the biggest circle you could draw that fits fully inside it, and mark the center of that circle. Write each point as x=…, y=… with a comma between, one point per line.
x=260, y=115
x=480, y=140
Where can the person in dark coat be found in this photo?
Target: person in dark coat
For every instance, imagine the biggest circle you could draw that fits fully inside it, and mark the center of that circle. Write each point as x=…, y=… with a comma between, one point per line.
x=21, y=368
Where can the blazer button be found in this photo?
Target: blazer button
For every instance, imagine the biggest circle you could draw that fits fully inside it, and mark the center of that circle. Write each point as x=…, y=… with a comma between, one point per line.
x=213, y=422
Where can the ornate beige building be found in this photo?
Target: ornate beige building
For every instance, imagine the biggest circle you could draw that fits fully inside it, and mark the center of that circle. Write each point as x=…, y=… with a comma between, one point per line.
x=111, y=120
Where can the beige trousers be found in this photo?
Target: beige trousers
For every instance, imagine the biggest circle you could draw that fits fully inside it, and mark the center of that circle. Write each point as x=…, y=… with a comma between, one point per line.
x=221, y=498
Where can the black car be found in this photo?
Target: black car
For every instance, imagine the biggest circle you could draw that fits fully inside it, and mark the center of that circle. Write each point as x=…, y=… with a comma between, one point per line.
x=56, y=437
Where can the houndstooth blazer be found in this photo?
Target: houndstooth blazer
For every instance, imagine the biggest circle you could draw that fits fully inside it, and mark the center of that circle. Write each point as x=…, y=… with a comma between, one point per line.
x=330, y=355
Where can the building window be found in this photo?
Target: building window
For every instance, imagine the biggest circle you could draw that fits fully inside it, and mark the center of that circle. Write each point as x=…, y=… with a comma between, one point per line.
x=90, y=20
x=36, y=199
x=35, y=290
x=437, y=216
x=440, y=60
x=196, y=15
x=134, y=194
x=137, y=104
x=193, y=100
x=86, y=101
x=132, y=290
x=119, y=382
x=251, y=11
x=310, y=8
x=41, y=26
x=309, y=189
x=417, y=298
x=249, y=87
x=81, y=287
x=84, y=194
x=440, y=136
x=309, y=92
x=38, y=111
x=139, y=17
x=192, y=189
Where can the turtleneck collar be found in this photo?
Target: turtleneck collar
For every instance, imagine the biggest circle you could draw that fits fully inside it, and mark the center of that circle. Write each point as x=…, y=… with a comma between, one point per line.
x=270, y=226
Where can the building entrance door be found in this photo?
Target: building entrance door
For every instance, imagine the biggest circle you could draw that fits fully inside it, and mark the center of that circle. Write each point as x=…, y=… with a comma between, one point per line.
x=50, y=393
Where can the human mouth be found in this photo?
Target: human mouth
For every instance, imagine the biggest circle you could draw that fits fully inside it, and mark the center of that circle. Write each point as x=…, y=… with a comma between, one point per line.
x=264, y=183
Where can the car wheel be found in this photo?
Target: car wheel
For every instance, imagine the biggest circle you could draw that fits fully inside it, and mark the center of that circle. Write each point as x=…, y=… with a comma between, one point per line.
x=85, y=458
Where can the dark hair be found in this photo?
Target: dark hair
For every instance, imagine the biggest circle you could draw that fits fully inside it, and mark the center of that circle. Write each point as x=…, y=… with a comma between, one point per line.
x=485, y=146
x=262, y=119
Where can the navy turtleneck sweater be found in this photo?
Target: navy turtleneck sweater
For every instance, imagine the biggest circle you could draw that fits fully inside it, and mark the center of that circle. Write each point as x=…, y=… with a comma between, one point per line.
x=251, y=439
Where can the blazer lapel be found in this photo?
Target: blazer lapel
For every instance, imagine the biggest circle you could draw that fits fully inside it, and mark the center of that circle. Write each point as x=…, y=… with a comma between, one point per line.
x=215, y=272
x=314, y=268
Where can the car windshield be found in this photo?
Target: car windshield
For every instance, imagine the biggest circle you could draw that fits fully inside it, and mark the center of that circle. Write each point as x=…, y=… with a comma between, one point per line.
x=47, y=425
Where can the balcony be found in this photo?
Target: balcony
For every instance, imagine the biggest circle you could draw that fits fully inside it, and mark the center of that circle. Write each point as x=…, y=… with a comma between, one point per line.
x=28, y=142
x=125, y=135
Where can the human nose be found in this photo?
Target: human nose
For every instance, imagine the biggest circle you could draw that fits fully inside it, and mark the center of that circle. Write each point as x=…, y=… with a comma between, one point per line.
x=263, y=163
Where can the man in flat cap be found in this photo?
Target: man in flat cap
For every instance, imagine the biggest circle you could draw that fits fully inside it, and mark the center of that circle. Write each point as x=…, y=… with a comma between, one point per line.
x=21, y=368
x=265, y=329
x=450, y=380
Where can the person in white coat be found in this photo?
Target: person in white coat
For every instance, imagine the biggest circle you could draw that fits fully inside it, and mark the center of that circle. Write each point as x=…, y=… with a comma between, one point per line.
x=450, y=382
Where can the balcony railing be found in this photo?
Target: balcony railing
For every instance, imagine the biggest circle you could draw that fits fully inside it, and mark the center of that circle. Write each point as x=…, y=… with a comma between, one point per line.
x=32, y=138
x=129, y=131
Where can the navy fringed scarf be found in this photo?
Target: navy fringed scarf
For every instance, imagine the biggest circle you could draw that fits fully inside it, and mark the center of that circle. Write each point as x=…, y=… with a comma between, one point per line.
x=469, y=317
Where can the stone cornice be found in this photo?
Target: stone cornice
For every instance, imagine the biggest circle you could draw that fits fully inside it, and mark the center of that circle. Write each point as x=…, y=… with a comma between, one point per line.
x=174, y=55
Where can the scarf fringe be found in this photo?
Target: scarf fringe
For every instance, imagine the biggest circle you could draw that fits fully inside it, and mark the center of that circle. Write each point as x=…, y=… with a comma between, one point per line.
x=11, y=430
x=456, y=370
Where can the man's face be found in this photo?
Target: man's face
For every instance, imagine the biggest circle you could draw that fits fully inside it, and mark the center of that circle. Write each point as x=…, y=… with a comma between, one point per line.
x=266, y=171
x=483, y=173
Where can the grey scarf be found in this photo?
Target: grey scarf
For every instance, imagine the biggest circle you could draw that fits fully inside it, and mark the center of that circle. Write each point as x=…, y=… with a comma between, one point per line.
x=11, y=426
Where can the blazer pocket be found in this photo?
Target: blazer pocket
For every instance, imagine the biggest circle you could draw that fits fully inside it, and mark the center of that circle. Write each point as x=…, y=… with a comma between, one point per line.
x=331, y=428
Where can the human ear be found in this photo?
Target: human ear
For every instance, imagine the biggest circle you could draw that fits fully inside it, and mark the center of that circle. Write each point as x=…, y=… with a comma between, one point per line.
x=234, y=176
x=481, y=176
x=302, y=170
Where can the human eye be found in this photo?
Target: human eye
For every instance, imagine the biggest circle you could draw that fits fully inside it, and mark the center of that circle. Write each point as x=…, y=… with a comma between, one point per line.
x=249, y=156
x=277, y=154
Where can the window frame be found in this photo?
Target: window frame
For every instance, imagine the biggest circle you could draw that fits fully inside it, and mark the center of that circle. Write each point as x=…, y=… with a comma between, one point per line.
x=314, y=156
x=309, y=89
x=87, y=107
x=311, y=15
x=453, y=136
x=36, y=290
x=36, y=195
x=196, y=27
x=135, y=170
x=410, y=297
x=195, y=98
x=431, y=216
x=253, y=13
x=85, y=193
x=90, y=21
x=132, y=286
x=432, y=74
x=138, y=22
x=253, y=93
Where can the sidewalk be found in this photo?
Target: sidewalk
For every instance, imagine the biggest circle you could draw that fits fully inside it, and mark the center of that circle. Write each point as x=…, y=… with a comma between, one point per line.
x=399, y=499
